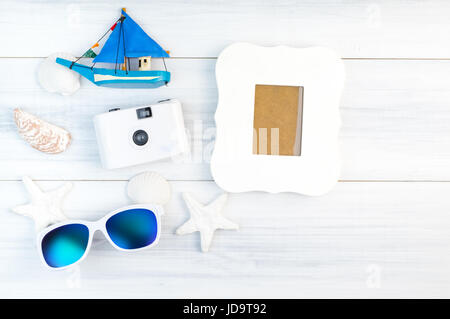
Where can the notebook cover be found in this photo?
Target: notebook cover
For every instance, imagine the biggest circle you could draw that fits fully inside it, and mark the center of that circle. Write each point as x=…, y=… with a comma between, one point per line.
x=277, y=120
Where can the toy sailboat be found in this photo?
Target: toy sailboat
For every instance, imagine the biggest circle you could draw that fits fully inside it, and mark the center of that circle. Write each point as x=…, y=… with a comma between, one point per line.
x=127, y=40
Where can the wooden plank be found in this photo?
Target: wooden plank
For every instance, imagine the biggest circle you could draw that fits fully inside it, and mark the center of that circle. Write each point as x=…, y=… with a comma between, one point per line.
x=394, y=121
x=361, y=240
x=411, y=29
x=193, y=83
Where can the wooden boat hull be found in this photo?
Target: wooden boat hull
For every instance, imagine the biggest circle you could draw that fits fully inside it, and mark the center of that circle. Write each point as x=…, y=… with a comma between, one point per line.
x=118, y=78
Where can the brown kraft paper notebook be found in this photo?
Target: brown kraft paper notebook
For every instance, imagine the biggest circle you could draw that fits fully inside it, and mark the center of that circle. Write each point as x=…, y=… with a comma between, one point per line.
x=277, y=123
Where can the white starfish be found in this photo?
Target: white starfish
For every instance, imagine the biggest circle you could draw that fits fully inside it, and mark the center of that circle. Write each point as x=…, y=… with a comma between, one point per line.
x=45, y=208
x=205, y=219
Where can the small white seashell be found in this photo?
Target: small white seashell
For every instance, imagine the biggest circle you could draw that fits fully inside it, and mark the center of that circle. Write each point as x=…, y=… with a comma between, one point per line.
x=41, y=135
x=149, y=188
x=57, y=78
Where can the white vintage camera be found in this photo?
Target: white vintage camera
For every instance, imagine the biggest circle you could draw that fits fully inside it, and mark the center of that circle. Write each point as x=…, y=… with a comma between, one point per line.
x=140, y=134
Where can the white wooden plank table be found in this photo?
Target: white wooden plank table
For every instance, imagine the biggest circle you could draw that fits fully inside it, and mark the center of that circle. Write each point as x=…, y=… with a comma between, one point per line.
x=384, y=231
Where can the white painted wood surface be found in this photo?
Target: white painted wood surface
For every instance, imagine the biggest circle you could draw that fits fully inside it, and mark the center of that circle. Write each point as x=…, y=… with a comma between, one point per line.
x=383, y=231
x=362, y=239
x=202, y=28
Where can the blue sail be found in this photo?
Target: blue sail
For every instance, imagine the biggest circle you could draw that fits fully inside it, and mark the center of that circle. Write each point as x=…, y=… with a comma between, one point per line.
x=112, y=51
x=128, y=39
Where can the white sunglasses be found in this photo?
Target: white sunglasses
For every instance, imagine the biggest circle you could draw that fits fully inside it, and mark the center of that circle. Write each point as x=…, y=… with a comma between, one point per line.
x=130, y=228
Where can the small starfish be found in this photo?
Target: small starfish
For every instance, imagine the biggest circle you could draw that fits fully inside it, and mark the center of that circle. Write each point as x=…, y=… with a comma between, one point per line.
x=206, y=219
x=45, y=208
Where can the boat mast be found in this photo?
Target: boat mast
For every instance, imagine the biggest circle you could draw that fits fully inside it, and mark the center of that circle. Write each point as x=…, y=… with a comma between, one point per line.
x=124, y=65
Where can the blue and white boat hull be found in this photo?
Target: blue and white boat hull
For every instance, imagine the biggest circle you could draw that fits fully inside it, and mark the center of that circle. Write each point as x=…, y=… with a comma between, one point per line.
x=118, y=78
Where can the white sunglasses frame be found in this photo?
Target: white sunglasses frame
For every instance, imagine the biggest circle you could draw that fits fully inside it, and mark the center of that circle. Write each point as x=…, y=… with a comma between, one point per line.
x=100, y=225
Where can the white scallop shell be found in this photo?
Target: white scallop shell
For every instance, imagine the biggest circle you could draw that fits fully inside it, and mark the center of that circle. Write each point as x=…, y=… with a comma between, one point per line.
x=41, y=135
x=149, y=188
x=56, y=78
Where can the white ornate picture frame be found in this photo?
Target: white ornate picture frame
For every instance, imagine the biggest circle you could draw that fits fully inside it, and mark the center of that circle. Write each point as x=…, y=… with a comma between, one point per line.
x=320, y=74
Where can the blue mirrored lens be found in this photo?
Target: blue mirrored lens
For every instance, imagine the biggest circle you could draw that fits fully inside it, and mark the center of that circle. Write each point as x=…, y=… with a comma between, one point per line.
x=65, y=245
x=132, y=229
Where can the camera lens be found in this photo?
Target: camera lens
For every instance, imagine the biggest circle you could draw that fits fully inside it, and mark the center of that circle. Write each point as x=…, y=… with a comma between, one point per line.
x=140, y=137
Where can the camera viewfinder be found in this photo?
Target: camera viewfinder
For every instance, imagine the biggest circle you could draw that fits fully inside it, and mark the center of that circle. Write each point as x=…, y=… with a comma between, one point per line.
x=144, y=113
